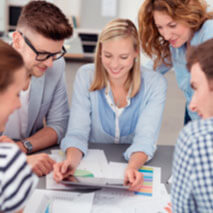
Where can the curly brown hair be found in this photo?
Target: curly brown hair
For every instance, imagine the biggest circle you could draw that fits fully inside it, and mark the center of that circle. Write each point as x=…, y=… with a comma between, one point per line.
x=193, y=13
x=46, y=19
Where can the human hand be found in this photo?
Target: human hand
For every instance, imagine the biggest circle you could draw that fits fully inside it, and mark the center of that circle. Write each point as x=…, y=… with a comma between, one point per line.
x=20, y=211
x=133, y=178
x=168, y=208
x=6, y=139
x=62, y=170
x=41, y=164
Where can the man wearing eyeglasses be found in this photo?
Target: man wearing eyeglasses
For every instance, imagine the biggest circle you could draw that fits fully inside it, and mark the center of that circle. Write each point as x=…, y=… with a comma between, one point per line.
x=42, y=120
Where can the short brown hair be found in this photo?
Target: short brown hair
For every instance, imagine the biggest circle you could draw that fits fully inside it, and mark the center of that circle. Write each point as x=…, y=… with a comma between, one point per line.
x=193, y=13
x=123, y=28
x=203, y=55
x=46, y=19
x=10, y=62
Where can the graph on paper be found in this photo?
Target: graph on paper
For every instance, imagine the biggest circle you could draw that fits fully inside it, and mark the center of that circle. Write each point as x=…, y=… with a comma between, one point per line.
x=147, y=188
x=83, y=173
x=151, y=175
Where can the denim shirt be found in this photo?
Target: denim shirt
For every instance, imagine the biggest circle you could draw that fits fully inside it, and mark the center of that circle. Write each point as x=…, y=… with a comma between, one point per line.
x=179, y=63
x=93, y=120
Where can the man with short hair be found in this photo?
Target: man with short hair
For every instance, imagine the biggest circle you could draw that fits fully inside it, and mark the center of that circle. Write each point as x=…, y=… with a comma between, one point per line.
x=192, y=186
x=42, y=120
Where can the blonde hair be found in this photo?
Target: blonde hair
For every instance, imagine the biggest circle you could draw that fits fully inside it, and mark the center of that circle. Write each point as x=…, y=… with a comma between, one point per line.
x=193, y=13
x=123, y=28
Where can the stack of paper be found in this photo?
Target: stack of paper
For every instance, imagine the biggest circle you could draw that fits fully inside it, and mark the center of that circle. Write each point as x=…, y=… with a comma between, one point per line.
x=94, y=164
x=152, y=197
x=43, y=201
x=151, y=175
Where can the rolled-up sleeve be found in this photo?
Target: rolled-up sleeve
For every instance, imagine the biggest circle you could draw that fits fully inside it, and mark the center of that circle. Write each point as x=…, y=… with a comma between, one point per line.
x=79, y=126
x=58, y=113
x=150, y=118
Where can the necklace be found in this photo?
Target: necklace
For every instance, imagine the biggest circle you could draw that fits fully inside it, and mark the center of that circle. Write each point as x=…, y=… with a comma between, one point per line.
x=121, y=97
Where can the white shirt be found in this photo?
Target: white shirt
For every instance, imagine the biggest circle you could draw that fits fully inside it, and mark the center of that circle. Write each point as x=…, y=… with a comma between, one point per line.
x=117, y=111
x=16, y=126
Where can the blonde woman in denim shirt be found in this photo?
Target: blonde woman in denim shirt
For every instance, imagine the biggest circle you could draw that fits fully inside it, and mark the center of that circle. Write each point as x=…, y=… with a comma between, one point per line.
x=167, y=29
x=114, y=101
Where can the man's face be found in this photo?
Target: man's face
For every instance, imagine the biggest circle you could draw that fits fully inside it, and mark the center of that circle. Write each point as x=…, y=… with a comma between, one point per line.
x=202, y=100
x=41, y=44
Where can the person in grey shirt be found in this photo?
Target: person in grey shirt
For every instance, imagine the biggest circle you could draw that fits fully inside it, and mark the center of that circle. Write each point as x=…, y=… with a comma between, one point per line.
x=42, y=120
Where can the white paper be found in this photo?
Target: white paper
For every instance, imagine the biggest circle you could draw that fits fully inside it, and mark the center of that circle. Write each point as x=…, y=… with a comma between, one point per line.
x=113, y=201
x=108, y=8
x=94, y=162
x=51, y=184
x=57, y=201
x=154, y=205
x=170, y=179
x=116, y=171
x=163, y=191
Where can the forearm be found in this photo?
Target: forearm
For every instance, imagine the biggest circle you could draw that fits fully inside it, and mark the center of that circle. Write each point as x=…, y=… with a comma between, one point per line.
x=74, y=155
x=44, y=138
x=137, y=160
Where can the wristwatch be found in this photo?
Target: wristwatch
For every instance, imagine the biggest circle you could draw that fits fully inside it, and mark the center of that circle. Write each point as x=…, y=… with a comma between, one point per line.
x=27, y=144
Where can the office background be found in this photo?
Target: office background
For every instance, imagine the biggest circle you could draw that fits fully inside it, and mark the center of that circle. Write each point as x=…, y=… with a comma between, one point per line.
x=175, y=104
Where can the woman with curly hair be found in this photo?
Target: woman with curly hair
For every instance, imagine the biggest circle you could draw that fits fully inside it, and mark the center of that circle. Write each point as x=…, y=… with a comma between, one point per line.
x=167, y=28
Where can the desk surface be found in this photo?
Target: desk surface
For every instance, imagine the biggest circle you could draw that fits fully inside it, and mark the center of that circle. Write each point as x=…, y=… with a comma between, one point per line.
x=162, y=158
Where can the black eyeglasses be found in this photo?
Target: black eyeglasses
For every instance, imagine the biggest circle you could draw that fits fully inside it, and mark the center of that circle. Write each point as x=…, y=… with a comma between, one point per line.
x=43, y=56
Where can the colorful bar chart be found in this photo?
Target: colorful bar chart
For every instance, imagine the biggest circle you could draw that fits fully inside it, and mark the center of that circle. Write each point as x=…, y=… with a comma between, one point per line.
x=83, y=173
x=147, y=188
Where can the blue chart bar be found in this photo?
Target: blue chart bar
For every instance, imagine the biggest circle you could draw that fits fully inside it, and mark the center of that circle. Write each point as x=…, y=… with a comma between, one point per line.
x=47, y=210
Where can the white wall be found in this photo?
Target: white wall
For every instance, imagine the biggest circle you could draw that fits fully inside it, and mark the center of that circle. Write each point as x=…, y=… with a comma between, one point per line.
x=2, y=15
x=18, y=2
x=69, y=7
x=129, y=9
x=210, y=3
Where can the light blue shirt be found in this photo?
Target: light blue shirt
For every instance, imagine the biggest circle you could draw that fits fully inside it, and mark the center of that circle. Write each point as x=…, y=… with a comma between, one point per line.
x=179, y=63
x=93, y=120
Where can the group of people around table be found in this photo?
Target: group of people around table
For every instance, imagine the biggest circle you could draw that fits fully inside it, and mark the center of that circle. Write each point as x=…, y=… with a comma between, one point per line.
x=117, y=100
